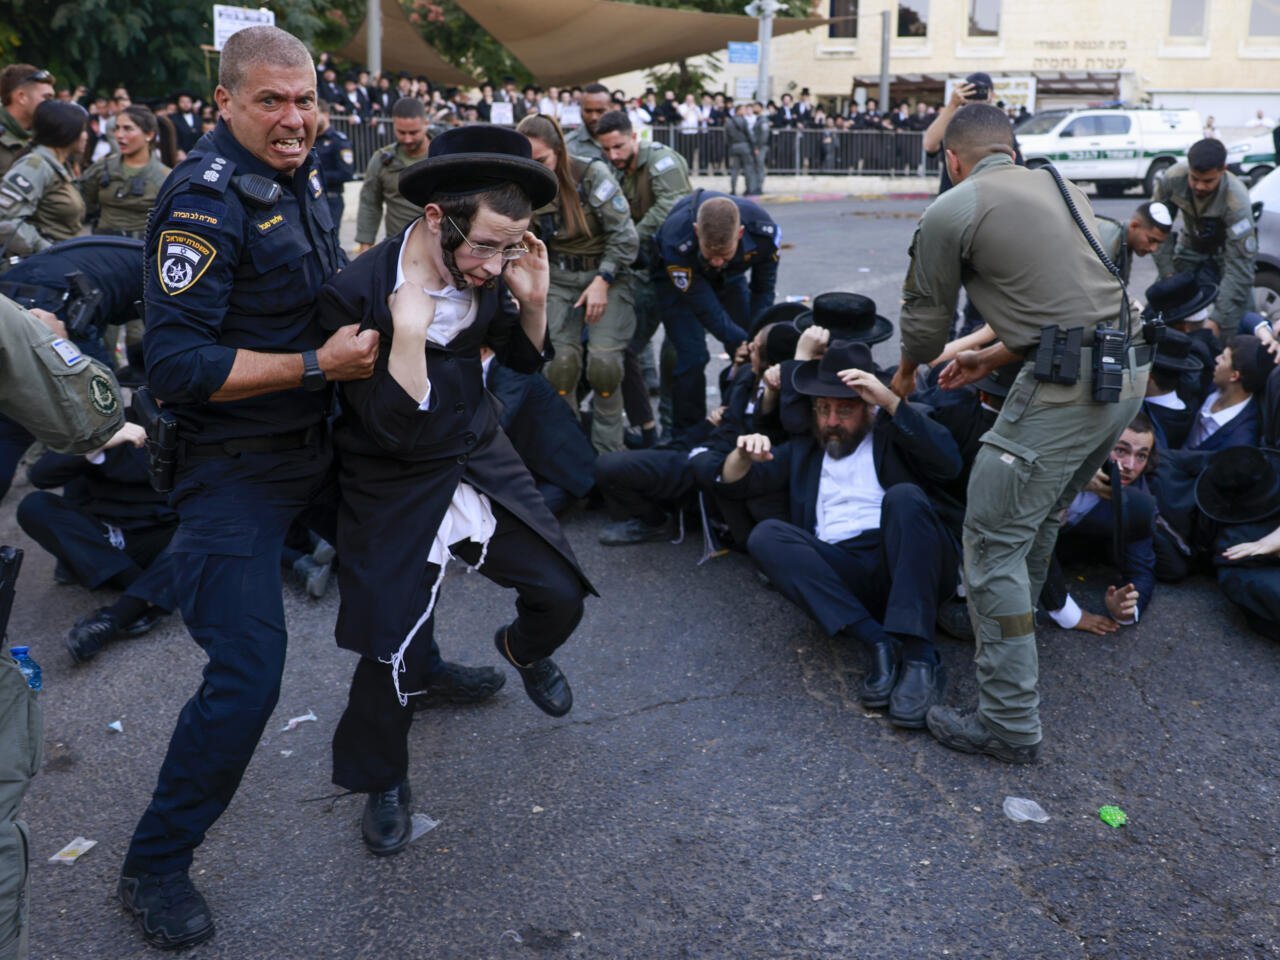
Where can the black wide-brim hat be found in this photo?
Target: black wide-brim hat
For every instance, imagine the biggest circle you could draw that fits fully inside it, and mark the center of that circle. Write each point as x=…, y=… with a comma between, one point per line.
x=777, y=313
x=1179, y=296
x=1000, y=380
x=1240, y=485
x=1174, y=353
x=474, y=158
x=849, y=316
x=820, y=378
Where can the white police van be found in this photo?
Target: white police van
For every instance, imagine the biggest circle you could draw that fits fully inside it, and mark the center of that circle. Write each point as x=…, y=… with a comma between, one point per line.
x=1252, y=159
x=1114, y=149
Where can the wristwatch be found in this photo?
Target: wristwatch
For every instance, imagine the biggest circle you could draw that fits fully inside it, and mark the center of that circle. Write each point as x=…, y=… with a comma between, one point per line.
x=313, y=377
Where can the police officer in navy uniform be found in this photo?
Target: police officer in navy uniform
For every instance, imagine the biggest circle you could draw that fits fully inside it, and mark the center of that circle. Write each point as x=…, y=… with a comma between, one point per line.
x=240, y=242
x=716, y=269
x=337, y=161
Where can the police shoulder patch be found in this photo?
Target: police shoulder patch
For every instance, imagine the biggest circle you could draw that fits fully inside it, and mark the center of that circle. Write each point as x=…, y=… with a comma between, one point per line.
x=348, y=157
x=681, y=278
x=7, y=199
x=214, y=174
x=102, y=397
x=181, y=259
x=317, y=187
x=22, y=183
x=620, y=203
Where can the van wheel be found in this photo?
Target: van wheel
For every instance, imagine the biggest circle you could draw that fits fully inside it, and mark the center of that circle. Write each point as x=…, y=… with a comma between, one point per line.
x=1154, y=173
x=1266, y=293
x=1256, y=174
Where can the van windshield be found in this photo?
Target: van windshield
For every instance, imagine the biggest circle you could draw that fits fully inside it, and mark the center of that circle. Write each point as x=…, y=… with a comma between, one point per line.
x=1041, y=123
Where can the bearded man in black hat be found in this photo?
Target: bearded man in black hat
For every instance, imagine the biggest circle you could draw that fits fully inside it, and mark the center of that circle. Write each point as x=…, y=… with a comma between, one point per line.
x=427, y=474
x=866, y=551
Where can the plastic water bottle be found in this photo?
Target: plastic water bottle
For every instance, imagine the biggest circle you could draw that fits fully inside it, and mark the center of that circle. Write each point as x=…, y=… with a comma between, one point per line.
x=30, y=669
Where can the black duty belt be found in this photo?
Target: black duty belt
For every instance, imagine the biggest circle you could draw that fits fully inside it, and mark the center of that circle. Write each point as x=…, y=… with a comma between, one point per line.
x=569, y=261
x=272, y=443
x=119, y=232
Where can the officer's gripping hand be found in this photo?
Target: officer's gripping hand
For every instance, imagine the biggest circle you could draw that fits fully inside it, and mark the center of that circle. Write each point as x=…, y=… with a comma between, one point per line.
x=130, y=433
x=813, y=343
x=904, y=381
x=349, y=354
x=529, y=278
x=50, y=320
x=868, y=386
x=965, y=369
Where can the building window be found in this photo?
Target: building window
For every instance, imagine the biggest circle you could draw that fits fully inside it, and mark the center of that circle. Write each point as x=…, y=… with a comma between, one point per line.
x=1264, y=18
x=913, y=18
x=984, y=18
x=1186, y=18
x=848, y=28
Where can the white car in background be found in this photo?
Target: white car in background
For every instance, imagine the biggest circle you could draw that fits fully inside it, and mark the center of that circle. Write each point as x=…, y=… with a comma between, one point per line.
x=1266, y=282
x=1114, y=149
x=1252, y=159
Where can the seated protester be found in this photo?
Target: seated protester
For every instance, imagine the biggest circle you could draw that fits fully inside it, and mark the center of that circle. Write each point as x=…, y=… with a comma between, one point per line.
x=1174, y=379
x=1229, y=416
x=1089, y=531
x=865, y=551
x=308, y=557
x=846, y=316
x=544, y=431
x=1183, y=302
x=1271, y=411
x=643, y=488
x=107, y=528
x=1239, y=492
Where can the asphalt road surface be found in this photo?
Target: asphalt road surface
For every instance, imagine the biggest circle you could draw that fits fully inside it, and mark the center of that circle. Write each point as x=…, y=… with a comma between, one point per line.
x=717, y=791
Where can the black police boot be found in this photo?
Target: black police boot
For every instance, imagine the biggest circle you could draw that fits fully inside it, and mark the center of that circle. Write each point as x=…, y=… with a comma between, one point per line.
x=168, y=908
x=881, y=675
x=455, y=684
x=388, y=822
x=543, y=681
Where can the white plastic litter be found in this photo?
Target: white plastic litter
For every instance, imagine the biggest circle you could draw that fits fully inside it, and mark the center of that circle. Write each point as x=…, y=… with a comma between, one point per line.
x=286, y=753
x=421, y=824
x=305, y=718
x=1021, y=809
x=115, y=726
x=73, y=851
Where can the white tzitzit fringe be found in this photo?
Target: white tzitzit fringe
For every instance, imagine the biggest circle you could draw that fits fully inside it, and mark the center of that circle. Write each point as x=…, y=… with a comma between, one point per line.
x=469, y=517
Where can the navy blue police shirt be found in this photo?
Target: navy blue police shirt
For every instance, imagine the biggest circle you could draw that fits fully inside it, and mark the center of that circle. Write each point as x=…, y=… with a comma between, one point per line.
x=680, y=263
x=110, y=264
x=337, y=159
x=225, y=272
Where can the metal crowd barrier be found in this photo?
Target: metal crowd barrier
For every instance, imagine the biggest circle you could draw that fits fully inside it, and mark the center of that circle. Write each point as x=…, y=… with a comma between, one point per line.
x=826, y=151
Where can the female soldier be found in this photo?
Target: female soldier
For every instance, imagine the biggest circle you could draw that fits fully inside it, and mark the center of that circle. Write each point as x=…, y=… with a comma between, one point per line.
x=39, y=202
x=121, y=188
x=592, y=243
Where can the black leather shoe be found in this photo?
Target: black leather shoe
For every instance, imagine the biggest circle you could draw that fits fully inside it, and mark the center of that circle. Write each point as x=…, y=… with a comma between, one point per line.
x=919, y=687
x=388, y=822
x=456, y=684
x=90, y=634
x=626, y=532
x=881, y=676
x=543, y=681
x=167, y=907
x=967, y=733
x=953, y=618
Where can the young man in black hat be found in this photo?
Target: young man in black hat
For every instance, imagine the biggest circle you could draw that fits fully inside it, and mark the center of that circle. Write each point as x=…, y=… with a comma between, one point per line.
x=427, y=473
x=1173, y=390
x=865, y=551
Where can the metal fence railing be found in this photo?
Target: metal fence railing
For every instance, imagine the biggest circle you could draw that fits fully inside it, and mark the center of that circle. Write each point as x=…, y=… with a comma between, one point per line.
x=826, y=151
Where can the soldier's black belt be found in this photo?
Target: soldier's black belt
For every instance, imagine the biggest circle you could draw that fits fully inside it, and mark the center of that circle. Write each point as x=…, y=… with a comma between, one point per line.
x=119, y=232
x=273, y=443
x=569, y=261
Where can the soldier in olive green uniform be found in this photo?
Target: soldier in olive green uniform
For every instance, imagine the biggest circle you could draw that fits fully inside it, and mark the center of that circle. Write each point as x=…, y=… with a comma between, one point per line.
x=22, y=88
x=1005, y=233
x=39, y=201
x=13, y=139
x=1217, y=235
x=382, y=176
x=590, y=278
x=1142, y=234
x=581, y=141
x=121, y=188
x=654, y=177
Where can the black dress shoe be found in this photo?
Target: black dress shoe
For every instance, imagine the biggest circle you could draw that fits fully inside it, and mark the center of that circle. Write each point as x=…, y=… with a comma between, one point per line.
x=919, y=688
x=90, y=634
x=388, y=822
x=168, y=908
x=455, y=684
x=881, y=676
x=543, y=681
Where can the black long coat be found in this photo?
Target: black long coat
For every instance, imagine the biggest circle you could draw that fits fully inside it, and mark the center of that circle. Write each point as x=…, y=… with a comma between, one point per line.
x=399, y=466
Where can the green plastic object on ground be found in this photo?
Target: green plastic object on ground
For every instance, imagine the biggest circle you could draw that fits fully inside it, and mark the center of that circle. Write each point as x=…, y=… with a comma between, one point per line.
x=1112, y=816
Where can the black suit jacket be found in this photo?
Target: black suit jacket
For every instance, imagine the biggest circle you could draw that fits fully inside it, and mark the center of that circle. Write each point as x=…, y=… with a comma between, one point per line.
x=908, y=447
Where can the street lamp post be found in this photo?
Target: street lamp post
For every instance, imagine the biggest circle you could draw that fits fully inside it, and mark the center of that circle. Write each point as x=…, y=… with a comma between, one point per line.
x=373, y=51
x=765, y=11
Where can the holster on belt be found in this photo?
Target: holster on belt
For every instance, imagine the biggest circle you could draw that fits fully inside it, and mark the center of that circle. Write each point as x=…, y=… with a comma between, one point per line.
x=162, y=439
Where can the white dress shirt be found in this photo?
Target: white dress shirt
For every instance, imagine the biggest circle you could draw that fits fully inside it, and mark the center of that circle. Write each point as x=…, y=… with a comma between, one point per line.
x=1208, y=423
x=849, y=495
